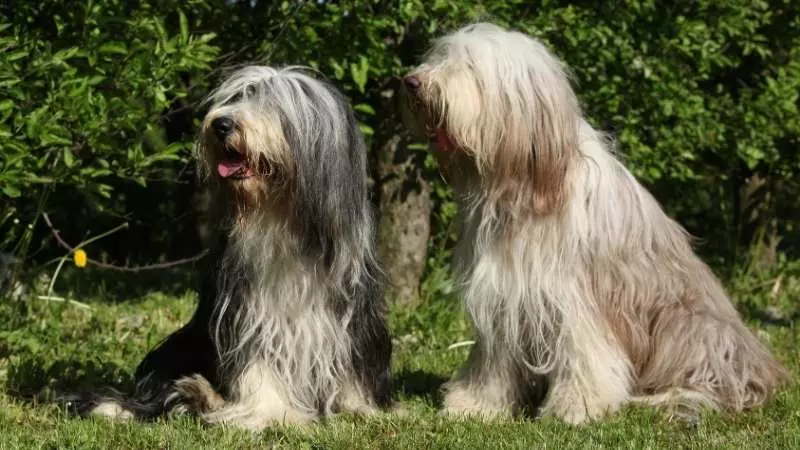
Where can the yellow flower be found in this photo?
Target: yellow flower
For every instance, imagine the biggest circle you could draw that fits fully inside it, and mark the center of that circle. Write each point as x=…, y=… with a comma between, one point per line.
x=80, y=258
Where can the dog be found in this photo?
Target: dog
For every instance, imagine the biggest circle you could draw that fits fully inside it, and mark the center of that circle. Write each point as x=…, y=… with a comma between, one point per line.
x=290, y=325
x=583, y=293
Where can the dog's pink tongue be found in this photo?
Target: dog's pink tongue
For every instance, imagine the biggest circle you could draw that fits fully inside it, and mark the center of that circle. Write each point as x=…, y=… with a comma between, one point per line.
x=229, y=168
x=443, y=140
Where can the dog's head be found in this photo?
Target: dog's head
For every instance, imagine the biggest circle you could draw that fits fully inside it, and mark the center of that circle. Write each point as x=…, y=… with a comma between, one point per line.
x=502, y=100
x=243, y=148
x=281, y=143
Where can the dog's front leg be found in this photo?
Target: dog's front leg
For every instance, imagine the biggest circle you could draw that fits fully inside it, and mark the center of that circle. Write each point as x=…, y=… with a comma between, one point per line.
x=259, y=400
x=591, y=378
x=486, y=387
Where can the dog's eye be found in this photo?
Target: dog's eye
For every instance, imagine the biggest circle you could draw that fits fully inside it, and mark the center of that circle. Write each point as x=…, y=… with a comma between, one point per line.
x=248, y=92
x=265, y=168
x=234, y=98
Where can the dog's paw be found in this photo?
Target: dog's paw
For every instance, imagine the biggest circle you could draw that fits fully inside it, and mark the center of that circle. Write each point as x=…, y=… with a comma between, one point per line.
x=399, y=410
x=352, y=400
x=195, y=394
x=575, y=411
x=255, y=420
x=462, y=403
x=571, y=415
x=487, y=415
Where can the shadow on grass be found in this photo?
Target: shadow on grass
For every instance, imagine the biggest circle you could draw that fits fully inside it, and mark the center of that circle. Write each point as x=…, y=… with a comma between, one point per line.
x=35, y=382
x=428, y=388
x=114, y=287
x=420, y=384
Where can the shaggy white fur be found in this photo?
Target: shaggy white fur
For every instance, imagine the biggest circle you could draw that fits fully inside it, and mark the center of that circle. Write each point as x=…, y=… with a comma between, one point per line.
x=573, y=276
x=290, y=325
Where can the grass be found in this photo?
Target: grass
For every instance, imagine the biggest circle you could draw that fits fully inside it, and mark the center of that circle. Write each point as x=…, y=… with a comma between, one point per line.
x=48, y=348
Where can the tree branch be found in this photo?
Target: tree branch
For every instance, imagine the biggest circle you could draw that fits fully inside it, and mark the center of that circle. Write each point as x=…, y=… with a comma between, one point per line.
x=103, y=265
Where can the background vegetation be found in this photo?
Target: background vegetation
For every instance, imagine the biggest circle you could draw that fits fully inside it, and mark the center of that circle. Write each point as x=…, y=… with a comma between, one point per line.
x=100, y=102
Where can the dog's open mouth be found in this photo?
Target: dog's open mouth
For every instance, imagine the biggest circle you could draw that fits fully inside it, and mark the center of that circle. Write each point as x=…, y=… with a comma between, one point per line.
x=436, y=131
x=440, y=138
x=234, y=165
x=429, y=120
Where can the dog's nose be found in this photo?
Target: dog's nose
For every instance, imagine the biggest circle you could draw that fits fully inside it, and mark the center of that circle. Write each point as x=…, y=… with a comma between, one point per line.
x=412, y=83
x=222, y=126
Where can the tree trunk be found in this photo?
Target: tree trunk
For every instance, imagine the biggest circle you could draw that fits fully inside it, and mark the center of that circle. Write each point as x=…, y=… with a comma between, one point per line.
x=760, y=231
x=405, y=208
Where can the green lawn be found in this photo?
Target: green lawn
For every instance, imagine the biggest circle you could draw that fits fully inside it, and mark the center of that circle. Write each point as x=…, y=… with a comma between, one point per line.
x=49, y=348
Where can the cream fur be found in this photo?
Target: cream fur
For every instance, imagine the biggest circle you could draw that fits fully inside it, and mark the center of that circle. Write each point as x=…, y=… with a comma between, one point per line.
x=573, y=276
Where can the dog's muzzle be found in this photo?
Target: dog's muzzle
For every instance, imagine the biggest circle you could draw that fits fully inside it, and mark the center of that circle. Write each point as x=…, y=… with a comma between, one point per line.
x=232, y=163
x=223, y=127
x=412, y=83
x=435, y=133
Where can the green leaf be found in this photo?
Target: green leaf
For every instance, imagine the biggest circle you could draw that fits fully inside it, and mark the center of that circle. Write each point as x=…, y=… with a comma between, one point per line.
x=66, y=53
x=184, y=24
x=11, y=191
x=366, y=129
x=338, y=70
x=69, y=158
x=50, y=138
x=39, y=180
x=13, y=56
x=160, y=95
x=113, y=47
x=359, y=72
x=103, y=190
x=207, y=37
x=159, y=157
x=364, y=108
x=93, y=172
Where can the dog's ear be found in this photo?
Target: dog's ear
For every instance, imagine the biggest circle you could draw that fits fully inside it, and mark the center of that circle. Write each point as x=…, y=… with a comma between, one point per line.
x=554, y=142
x=539, y=141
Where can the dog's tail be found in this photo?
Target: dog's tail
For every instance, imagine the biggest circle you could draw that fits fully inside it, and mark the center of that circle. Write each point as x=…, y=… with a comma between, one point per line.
x=716, y=362
x=753, y=375
x=111, y=404
x=188, y=394
x=145, y=403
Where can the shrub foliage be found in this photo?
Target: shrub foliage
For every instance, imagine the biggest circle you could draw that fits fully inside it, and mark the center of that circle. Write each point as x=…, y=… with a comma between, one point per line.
x=99, y=104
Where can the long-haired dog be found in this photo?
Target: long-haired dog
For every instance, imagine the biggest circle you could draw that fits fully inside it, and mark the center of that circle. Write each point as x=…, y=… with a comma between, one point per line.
x=575, y=279
x=290, y=323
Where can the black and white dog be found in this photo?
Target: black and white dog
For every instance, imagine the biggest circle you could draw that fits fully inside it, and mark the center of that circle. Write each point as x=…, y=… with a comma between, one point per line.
x=290, y=325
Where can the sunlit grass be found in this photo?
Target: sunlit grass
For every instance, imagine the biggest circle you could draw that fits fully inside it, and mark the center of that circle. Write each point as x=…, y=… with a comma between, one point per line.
x=47, y=349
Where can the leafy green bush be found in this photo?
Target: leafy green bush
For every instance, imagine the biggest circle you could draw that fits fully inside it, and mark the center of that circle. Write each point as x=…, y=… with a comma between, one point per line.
x=701, y=96
x=83, y=108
